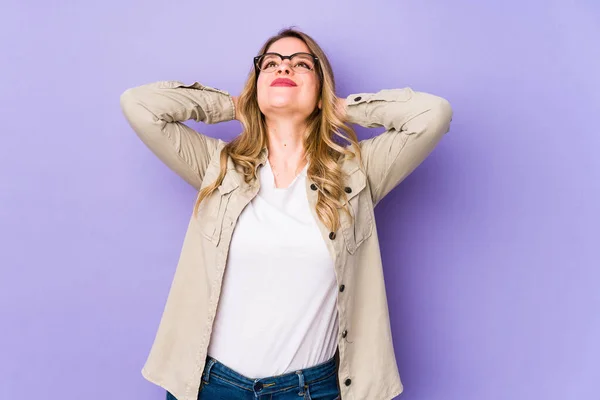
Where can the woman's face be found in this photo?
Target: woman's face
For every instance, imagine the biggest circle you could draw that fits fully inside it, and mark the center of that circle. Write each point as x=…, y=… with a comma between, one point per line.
x=300, y=97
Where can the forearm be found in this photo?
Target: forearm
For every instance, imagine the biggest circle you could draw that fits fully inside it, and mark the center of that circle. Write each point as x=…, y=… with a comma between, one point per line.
x=415, y=122
x=156, y=112
x=173, y=101
x=394, y=108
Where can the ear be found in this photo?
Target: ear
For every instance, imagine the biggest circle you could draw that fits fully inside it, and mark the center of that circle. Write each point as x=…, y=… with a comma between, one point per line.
x=319, y=104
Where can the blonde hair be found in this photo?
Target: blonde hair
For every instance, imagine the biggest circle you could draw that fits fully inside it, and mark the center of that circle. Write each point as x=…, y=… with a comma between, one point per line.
x=325, y=125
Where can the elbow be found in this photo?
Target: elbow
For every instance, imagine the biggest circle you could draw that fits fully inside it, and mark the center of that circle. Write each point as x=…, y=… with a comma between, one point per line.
x=444, y=109
x=443, y=112
x=136, y=113
x=133, y=107
x=432, y=118
x=127, y=99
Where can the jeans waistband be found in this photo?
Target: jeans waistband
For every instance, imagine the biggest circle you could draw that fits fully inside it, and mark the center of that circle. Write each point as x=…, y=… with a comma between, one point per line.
x=272, y=384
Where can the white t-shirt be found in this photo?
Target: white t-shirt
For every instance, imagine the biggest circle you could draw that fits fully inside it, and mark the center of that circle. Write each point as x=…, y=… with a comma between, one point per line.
x=277, y=310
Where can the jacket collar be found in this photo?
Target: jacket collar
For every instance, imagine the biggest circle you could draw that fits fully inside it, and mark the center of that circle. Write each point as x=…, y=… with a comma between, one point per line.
x=349, y=167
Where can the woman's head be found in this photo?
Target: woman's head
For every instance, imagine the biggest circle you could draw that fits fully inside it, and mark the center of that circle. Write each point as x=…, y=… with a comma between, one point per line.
x=311, y=98
x=289, y=86
x=266, y=96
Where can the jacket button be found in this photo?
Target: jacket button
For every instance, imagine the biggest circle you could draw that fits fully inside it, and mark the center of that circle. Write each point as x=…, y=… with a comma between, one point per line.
x=344, y=334
x=331, y=235
x=313, y=186
x=347, y=382
x=358, y=98
x=348, y=189
x=342, y=287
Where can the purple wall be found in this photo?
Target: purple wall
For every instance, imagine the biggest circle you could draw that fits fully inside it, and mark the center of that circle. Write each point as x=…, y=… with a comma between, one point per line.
x=491, y=249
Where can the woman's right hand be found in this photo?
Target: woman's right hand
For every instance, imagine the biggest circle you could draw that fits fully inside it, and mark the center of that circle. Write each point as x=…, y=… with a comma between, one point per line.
x=235, y=106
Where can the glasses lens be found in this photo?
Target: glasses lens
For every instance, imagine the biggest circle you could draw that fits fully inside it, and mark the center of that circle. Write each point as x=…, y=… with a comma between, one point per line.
x=303, y=63
x=269, y=62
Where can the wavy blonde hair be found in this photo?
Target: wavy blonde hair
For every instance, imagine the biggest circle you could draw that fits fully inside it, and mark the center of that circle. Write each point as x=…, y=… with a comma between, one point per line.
x=324, y=125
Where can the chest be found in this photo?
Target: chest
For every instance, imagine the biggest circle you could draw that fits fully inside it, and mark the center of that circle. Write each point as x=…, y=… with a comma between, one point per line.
x=220, y=212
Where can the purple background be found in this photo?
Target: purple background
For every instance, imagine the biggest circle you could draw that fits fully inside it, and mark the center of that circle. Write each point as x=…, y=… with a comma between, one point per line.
x=490, y=248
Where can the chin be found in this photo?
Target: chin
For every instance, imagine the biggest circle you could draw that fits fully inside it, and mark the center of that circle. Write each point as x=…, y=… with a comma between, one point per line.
x=276, y=104
x=281, y=104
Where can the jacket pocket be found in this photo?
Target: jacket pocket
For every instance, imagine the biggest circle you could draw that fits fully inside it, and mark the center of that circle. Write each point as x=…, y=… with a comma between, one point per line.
x=213, y=209
x=357, y=230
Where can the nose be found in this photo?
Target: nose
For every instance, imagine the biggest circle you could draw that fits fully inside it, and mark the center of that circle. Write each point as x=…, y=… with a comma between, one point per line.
x=284, y=67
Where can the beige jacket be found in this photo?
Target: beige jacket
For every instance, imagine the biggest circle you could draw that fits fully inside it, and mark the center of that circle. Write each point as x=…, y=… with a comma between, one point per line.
x=414, y=123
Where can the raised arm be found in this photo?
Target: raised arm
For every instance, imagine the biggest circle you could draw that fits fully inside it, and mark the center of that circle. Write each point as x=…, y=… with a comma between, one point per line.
x=414, y=122
x=156, y=110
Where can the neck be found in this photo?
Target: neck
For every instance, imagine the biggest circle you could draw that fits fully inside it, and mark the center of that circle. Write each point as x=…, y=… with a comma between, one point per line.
x=286, y=147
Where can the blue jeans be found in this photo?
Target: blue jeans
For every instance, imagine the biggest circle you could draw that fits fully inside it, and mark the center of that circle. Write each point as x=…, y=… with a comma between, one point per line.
x=315, y=383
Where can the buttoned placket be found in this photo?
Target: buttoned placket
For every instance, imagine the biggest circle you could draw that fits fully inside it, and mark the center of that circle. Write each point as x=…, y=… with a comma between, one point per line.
x=336, y=246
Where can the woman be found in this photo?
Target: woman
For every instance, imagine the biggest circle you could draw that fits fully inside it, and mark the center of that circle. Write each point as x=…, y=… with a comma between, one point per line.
x=282, y=237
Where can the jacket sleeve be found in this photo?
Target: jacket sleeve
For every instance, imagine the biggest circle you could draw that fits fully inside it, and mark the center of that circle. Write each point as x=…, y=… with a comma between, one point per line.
x=414, y=122
x=156, y=110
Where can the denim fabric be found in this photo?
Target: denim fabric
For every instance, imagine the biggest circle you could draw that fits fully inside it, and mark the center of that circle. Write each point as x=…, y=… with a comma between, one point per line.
x=219, y=382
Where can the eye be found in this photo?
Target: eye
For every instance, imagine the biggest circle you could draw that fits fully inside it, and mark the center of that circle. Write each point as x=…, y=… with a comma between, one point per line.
x=270, y=64
x=303, y=65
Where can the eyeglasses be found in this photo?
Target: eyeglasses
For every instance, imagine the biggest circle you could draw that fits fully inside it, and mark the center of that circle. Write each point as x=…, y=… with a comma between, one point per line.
x=300, y=62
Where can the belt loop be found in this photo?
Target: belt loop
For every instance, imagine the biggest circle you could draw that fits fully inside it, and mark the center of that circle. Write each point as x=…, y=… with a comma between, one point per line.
x=300, y=382
x=207, y=369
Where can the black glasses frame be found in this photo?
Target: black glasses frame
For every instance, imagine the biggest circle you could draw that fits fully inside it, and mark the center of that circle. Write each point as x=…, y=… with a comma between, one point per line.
x=258, y=58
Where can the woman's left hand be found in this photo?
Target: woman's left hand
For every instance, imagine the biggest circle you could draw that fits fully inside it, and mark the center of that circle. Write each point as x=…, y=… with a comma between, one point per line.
x=341, y=106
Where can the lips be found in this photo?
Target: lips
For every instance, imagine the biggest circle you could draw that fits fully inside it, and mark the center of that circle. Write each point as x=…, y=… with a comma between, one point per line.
x=283, y=82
